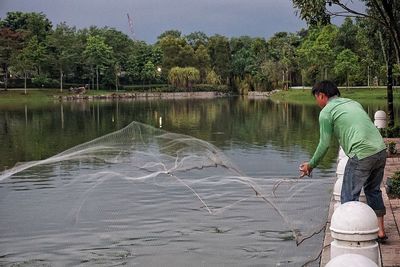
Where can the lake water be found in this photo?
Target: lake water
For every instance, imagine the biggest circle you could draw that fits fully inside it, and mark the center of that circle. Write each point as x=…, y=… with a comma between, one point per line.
x=91, y=212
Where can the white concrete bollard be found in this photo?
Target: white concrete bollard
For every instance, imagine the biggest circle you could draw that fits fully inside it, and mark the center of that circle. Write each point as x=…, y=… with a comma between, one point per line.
x=341, y=166
x=341, y=154
x=354, y=229
x=351, y=260
x=337, y=191
x=380, y=119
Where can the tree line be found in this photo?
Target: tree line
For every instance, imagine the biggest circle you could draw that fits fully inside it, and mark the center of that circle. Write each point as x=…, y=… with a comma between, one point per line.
x=382, y=18
x=34, y=53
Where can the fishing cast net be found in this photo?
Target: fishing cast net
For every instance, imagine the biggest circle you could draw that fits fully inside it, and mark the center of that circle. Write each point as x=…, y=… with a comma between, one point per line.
x=144, y=196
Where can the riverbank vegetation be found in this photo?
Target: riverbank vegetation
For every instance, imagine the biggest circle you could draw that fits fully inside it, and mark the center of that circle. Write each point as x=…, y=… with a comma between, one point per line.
x=375, y=96
x=36, y=54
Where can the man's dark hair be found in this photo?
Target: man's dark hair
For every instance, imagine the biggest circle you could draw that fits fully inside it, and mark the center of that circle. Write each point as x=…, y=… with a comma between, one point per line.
x=326, y=87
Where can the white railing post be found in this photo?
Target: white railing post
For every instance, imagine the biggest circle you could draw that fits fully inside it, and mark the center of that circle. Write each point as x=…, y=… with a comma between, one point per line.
x=354, y=229
x=351, y=260
x=380, y=119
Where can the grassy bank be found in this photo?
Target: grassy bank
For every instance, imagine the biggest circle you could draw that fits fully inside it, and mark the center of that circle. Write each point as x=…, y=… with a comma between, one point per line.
x=363, y=95
x=11, y=97
x=300, y=96
x=37, y=96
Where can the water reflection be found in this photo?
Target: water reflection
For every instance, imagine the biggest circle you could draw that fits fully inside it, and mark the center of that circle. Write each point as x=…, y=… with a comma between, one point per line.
x=31, y=133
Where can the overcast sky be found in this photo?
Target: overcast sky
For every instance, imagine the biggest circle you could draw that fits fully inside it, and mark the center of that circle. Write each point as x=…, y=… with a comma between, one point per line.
x=257, y=18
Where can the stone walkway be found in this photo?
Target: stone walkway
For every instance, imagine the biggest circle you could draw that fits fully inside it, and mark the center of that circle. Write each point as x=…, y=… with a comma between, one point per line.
x=390, y=251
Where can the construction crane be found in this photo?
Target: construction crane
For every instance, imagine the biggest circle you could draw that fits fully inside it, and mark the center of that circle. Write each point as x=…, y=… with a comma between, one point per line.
x=130, y=22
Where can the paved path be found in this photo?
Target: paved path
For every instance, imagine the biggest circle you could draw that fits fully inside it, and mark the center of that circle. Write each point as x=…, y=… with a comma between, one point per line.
x=390, y=251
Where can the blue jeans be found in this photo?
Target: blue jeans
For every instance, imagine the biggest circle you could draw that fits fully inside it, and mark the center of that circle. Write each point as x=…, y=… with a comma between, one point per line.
x=367, y=173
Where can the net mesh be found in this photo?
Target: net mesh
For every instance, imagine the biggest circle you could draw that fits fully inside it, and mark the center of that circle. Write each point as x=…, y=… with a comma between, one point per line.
x=107, y=182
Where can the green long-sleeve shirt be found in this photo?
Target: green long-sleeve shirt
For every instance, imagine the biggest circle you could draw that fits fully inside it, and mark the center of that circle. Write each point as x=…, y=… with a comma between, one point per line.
x=353, y=128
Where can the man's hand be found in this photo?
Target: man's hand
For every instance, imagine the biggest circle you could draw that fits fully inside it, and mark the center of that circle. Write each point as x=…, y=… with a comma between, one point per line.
x=305, y=169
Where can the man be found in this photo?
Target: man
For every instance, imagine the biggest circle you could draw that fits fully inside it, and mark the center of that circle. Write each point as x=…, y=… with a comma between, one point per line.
x=361, y=142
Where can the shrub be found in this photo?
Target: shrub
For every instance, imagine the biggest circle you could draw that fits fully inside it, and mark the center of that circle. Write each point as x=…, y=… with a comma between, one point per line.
x=390, y=132
x=42, y=81
x=213, y=78
x=183, y=77
x=393, y=184
x=210, y=88
x=391, y=147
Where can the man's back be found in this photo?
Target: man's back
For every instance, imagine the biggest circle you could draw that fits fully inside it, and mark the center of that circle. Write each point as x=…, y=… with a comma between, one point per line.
x=352, y=126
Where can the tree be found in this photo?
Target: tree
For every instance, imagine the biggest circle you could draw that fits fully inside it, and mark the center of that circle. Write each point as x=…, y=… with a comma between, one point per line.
x=202, y=61
x=174, y=76
x=176, y=53
x=121, y=46
x=242, y=63
x=183, y=77
x=136, y=60
x=171, y=47
x=220, y=54
x=282, y=48
x=192, y=75
x=117, y=72
x=36, y=52
x=98, y=55
x=238, y=43
x=10, y=43
x=383, y=12
x=186, y=56
x=34, y=24
x=259, y=49
x=347, y=65
x=23, y=63
x=317, y=51
x=368, y=49
x=213, y=78
x=142, y=54
x=272, y=70
x=347, y=32
x=61, y=44
x=170, y=33
x=195, y=39
x=243, y=60
x=149, y=71
x=38, y=25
